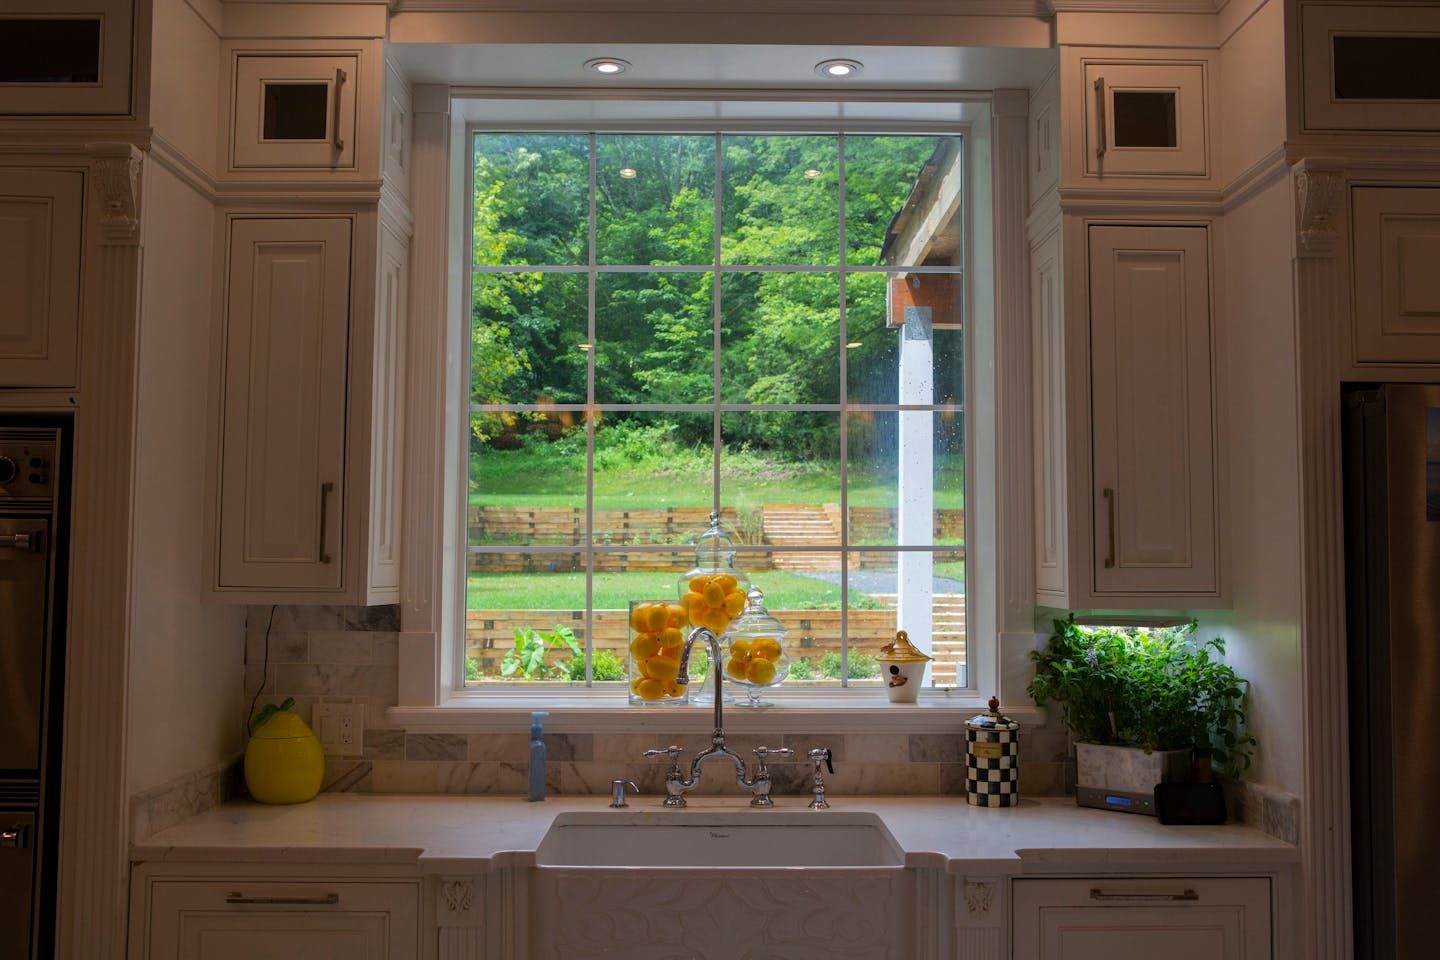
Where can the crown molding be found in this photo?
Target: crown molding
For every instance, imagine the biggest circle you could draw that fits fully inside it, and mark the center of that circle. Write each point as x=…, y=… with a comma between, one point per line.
x=1132, y=6
x=989, y=8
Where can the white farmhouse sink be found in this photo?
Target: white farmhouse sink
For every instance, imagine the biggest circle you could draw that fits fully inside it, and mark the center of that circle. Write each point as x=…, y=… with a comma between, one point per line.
x=694, y=840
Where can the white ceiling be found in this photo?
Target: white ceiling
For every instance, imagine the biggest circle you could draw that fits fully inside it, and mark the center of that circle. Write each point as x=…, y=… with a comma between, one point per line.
x=731, y=66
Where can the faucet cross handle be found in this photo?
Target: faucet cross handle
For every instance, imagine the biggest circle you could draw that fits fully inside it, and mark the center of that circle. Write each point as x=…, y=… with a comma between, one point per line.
x=764, y=753
x=672, y=751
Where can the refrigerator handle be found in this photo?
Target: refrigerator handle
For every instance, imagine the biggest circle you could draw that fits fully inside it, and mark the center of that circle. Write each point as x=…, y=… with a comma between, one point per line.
x=15, y=838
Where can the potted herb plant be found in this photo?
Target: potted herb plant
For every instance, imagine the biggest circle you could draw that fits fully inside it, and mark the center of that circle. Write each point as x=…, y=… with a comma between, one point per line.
x=1144, y=705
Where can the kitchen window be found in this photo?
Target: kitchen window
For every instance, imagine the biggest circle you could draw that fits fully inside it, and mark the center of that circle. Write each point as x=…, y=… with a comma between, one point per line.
x=769, y=318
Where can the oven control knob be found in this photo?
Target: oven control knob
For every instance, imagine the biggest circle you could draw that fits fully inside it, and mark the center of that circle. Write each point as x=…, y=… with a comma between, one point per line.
x=7, y=470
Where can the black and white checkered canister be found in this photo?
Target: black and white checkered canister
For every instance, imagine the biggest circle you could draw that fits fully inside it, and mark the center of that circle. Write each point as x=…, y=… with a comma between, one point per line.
x=992, y=762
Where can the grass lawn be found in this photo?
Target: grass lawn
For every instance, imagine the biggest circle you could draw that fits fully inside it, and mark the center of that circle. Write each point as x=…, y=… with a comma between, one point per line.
x=546, y=478
x=614, y=591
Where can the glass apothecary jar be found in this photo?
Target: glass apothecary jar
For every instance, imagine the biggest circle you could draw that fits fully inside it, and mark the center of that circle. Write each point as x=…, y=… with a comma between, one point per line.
x=712, y=595
x=655, y=640
x=755, y=655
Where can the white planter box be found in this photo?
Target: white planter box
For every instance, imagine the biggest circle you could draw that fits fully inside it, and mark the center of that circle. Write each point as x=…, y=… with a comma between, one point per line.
x=1128, y=769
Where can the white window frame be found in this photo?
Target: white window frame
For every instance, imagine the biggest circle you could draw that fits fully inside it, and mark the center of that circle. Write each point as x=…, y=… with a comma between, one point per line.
x=432, y=614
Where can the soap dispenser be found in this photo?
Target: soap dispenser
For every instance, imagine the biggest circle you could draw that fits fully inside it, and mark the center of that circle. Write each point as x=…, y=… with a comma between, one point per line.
x=537, y=755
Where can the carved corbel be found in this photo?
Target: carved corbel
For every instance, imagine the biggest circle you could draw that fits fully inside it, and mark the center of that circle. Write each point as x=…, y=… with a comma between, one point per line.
x=978, y=895
x=458, y=903
x=1319, y=205
x=115, y=172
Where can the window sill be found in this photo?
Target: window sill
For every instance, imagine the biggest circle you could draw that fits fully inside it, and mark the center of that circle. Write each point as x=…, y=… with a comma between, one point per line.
x=593, y=714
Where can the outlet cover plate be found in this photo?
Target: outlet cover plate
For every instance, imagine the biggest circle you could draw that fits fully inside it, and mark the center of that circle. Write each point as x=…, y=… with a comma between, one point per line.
x=340, y=727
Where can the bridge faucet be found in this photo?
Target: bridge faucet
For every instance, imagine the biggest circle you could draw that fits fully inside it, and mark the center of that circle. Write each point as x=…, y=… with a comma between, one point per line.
x=677, y=785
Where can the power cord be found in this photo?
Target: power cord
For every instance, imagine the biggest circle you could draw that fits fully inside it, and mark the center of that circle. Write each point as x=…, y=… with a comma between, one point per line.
x=264, y=670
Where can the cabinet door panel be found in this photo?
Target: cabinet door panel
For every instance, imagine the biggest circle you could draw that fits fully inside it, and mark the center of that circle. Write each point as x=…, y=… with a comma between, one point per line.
x=65, y=56
x=1145, y=119
x=1397, y=288
x=40, y=240
x=283, y=451
x=294, y=112
x=1210, y=918
x=1154, y=486
x=244, y=919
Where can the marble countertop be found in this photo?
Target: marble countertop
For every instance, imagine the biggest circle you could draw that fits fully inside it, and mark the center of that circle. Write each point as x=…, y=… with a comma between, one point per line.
x=446, y=833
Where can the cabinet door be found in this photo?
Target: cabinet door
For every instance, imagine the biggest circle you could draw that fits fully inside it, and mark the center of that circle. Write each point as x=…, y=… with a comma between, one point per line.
x=1397, y=288
x=295, y=111
x=282, y=459
x=1152, y=436
x=40, y=240
x=1178, y=919
x=1145, y=119
x=241, y=920
x=65, y=56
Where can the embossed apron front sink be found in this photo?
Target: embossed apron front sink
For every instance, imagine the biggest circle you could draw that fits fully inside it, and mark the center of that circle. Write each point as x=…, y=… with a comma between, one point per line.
x=718, y=886
x=688, y=841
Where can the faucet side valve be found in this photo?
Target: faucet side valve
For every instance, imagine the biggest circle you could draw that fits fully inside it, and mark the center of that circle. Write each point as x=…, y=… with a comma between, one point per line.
x=674, y=780
x=817, y=756
x=761, y=782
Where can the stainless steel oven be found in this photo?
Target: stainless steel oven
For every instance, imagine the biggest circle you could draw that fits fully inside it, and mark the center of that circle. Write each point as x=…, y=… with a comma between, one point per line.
x=33, y=470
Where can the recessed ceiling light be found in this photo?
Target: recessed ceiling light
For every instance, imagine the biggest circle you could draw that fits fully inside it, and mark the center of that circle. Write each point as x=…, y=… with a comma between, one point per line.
x=584, y=346
x=852, y=344
x=628, y=173
x=608, y=66
x=812, y=173
x=838, y=69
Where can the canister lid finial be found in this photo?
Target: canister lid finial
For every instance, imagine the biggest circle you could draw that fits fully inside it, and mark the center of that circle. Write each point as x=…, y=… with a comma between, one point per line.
x=901, y=650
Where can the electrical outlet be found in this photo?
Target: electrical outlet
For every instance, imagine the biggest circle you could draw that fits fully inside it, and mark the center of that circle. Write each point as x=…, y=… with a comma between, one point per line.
x=341, y=728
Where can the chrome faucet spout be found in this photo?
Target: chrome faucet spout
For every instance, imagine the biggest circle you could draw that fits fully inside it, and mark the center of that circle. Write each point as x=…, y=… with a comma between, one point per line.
x=683, y=677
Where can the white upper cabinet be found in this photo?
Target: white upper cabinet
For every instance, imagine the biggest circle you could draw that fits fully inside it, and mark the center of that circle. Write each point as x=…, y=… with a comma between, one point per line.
x=1126, y=477
x=1396, y=240
x=1370, y=67
x=69, y=57
x=312, y=110
x=1138, y=118
x=282, y=459
x=41, y=231
x=1153, y=446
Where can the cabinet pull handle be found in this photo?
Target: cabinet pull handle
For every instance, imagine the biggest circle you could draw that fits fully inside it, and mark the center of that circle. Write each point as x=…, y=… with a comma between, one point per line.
x=325, y=490
x=325, y=900
x=1100, y=117
x=335, y=140
x=1109, y=494
x=1097, y=894
x=16, y=838
x=21, y=541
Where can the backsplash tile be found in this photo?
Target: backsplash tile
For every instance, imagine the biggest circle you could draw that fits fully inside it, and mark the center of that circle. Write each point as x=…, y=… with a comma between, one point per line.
x=350, y=654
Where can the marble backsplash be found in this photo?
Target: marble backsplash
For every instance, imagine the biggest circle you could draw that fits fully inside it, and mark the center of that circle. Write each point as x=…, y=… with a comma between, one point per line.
x=349, y=654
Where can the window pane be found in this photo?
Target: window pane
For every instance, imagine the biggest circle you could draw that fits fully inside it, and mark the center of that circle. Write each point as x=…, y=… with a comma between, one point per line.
x=919, y=592
x=906, y=478
x=902, y=200
x=779, y=334
x=532, y=199
x=904, y=342
x=659, y=466
x=523, y=612
x=528, y=332
x=655, y=199
x=654, y=337
x=780, y=202
x=780, y=472
x=527, y=479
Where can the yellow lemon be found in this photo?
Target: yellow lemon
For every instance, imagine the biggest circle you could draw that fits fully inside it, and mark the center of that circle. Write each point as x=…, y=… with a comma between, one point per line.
x=714, y=595
x=697, y=584
x=656, y=615
x=661, y=668
x=760, y=672
x=671, y=637
x=727, y=582
x=716, y=621
x=765, y=647
x=644, y=645
x=647, y=689
x=738, y=669
x=693, y=605
x=674, y=615
x=640, y=617
x=734, y=602
x=673, y=689
x=740, y=649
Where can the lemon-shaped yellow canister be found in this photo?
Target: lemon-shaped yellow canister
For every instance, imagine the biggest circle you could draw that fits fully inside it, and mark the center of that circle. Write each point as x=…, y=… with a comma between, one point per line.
x=283, y=761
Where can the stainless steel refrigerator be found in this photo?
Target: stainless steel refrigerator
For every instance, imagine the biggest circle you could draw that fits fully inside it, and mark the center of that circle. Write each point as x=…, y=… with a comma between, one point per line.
x=33, y=467
x=1392, y=543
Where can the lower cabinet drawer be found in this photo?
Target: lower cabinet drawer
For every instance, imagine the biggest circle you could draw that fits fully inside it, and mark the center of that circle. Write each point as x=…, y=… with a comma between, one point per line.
x=1179, y=918
x=315, y=920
